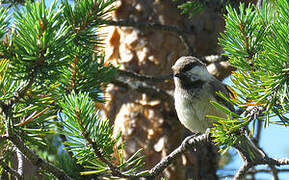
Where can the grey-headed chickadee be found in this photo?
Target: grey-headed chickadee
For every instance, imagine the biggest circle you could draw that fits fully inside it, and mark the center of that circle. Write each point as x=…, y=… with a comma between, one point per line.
x=195, y=87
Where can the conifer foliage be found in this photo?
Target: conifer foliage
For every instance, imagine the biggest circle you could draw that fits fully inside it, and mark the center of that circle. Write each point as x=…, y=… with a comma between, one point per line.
x=51, y=76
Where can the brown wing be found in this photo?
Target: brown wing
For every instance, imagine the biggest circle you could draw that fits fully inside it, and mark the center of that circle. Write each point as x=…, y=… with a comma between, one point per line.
x=219, y=86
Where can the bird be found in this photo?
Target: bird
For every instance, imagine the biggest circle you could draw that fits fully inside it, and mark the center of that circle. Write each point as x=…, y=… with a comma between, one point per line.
x=195, y=88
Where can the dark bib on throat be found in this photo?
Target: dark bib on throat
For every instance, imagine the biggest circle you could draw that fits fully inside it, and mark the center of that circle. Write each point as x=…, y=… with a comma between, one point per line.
x=186, y=84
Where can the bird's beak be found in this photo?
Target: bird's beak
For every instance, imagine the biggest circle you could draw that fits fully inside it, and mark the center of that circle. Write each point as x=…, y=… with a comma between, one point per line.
x=179, y=75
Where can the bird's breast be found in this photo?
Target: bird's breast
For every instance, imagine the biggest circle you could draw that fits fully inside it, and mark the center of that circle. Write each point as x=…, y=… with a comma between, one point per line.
x=193, y=108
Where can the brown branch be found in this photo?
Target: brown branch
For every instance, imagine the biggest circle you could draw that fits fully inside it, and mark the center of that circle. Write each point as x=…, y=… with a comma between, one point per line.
x=188, y=143
x=147, y=25
x=10, y=170
x=242, y=171
x=274, y=172
x=142, y=77
x=265, y=161
x=143, y=87
x=36, y=160
x=266, y=171
x=155, y=26
x=259, y=130
x=158, y=79
x=255, y=171
x=214, y=58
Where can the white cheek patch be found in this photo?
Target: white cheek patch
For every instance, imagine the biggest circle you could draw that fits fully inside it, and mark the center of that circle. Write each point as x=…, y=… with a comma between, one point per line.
x=199, y=73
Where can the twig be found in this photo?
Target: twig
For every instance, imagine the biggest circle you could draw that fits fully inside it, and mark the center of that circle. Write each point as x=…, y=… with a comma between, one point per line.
x=36, y=160
x=266, y=171
x=280, y=161
x=155, y=26
x=259, y=130
x=274, y=172
x=10, y=170
x=214, y=58
x=144, y=88
x=242, y=171
x=114, y=169
x=147, y=25
x=141, y=77
x=266, y=161
x=158, y=79
x=255, y=171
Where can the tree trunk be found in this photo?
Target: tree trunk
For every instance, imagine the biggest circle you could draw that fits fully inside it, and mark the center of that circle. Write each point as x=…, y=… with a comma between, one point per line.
x=148, y=122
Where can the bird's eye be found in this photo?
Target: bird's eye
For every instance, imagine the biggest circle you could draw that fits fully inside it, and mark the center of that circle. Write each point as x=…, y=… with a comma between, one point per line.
x=188, y=67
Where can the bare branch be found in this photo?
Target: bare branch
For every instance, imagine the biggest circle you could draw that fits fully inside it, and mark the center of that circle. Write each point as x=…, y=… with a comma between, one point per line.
x=266, y=171
x=266, y=161
x=259, y=130
x=274, y=172
x=280, y=161
x=242, y=171
x=255, y=171
x=158, y=79
x=142, y=77
x=144, y=88
x=147, y=25
x=188, y=143
x=214, y=58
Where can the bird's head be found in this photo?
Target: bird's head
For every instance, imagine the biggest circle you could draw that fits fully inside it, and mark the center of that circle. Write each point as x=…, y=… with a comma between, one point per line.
x=190, y=69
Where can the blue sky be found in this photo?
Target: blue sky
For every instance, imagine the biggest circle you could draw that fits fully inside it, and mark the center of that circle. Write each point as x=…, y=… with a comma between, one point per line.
x=274, y=141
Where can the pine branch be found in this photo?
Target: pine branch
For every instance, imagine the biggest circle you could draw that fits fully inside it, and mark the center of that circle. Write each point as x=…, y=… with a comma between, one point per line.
x=260, y=158
x=85, y=134
x=22, y=92
x=36, y=160
x=183, y=35
x=10, y=170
